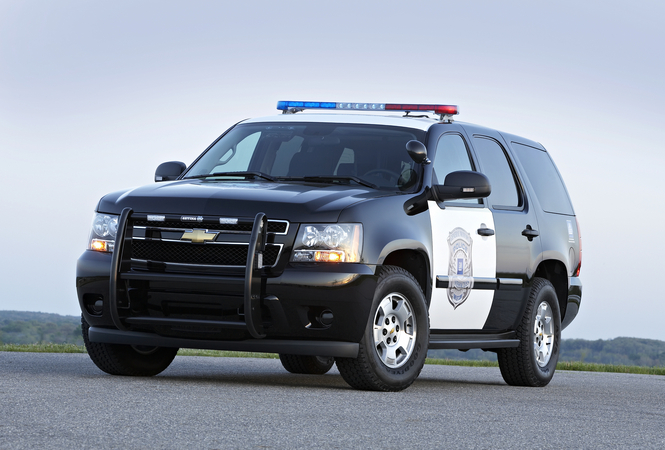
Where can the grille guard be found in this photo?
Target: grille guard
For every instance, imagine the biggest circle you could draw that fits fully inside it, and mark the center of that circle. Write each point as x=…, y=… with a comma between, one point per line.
x=257, y=244
x=252, y=282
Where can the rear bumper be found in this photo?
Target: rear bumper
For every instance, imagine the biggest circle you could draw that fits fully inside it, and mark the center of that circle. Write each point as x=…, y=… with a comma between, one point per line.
x=574, y=301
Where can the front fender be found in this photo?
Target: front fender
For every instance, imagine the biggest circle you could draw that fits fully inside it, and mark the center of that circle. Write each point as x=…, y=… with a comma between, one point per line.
x=403, y=244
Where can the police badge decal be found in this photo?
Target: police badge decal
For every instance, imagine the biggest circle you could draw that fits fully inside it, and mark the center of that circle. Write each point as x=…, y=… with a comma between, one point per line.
x=460, y=270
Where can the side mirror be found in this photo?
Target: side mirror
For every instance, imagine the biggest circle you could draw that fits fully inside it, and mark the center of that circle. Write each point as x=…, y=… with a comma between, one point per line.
x=169, y=170
x=463, y=184
x=417, y=151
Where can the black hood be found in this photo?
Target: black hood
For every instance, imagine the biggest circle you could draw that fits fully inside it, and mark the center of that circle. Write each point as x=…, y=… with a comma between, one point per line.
x=296, y=202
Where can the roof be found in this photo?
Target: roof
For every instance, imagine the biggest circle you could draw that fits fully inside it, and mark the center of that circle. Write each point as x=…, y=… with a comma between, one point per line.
x=421, y=123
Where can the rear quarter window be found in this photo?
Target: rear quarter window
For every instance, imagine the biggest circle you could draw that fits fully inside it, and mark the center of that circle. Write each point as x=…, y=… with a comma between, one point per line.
x=545, y=179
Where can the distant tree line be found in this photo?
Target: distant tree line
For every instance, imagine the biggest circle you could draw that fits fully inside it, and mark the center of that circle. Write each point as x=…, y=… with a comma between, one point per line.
x=618, y=351
x=20, y=327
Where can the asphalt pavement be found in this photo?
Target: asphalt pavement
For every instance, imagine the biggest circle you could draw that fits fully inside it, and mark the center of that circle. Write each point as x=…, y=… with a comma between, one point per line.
x=64, y=401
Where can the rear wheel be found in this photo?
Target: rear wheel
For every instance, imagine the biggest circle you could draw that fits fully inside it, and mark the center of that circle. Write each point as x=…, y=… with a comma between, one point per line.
x=533, y=362
x=134, y=360
x=311, y=365
x=394, y=346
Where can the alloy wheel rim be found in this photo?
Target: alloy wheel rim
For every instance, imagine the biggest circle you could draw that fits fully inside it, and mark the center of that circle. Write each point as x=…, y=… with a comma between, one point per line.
x=543, y=334
x=394, y=330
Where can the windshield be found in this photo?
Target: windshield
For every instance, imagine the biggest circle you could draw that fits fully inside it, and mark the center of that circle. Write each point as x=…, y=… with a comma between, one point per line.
x=371, y=155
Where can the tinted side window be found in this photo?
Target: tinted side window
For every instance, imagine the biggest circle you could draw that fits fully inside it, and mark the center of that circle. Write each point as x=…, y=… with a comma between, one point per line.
x=494, y=164
x=451, y=156
x=544, y=178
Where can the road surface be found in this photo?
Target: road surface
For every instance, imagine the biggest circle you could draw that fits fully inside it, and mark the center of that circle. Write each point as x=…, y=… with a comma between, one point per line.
x=64, y=401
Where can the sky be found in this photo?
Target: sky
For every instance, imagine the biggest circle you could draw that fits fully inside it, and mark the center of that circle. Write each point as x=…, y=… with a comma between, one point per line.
x=95, y=95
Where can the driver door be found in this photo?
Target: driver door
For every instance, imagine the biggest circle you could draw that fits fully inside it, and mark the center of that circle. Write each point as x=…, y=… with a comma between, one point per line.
x=464, y=247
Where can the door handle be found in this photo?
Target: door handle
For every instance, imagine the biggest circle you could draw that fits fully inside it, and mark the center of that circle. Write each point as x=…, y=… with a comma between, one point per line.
x=485, y=231
x=530, y=233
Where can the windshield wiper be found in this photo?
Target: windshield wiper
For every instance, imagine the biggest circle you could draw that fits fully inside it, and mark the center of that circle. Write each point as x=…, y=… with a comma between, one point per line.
x=331, y=178
x=265, y=176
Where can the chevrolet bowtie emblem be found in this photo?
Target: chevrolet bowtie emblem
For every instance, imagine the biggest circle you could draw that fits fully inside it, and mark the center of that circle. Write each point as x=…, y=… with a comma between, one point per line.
x=199, y=236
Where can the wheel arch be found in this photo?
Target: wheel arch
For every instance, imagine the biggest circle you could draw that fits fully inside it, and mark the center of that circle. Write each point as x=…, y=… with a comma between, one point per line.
x=555, y=272
x=417, y=264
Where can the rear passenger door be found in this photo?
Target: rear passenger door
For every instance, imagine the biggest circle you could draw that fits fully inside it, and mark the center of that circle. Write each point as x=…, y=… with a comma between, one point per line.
x=516, y=229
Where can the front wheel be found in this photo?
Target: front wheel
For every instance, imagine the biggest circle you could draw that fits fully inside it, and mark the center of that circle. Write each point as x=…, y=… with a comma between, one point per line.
x=394, y=346
x=533, y=362
x=134, y=360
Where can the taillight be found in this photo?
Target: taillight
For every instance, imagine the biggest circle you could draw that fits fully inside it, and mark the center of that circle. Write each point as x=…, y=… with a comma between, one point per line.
x=579, y=235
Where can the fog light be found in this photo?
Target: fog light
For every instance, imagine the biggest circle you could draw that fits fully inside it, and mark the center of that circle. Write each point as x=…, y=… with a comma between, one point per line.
x=98, y=307
x=94, y=304
x=326, y=318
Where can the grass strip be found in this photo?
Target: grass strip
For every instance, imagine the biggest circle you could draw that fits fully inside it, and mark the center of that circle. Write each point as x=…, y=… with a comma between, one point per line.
x=565, y=365
x=225, y=354
x=593, y=367
x=461, y=362
x=43, y=348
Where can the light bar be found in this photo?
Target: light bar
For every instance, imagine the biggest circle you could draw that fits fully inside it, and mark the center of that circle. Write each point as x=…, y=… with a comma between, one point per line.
x=288, y=106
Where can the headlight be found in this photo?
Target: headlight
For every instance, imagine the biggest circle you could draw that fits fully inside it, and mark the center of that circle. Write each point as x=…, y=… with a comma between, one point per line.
x=339, y=242
x=104, y=230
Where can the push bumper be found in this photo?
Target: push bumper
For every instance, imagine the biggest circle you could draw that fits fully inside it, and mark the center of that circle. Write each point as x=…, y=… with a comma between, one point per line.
x=295, y=301
x=313, y=308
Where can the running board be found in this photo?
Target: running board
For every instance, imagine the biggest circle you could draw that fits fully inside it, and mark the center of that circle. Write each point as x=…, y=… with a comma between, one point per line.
x=468, y=341
x=310, y=348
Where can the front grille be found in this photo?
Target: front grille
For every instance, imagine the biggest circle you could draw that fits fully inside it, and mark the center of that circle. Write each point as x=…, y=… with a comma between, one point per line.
x=278, y=227
x=206, y=254
x=159, y=242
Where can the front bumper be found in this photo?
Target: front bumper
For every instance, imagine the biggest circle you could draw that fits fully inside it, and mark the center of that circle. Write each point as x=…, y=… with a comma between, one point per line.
x=293, y=347
x=311, y=309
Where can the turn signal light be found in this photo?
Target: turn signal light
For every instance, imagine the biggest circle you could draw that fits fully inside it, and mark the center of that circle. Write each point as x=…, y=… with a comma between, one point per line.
x=329, y=256
x=101, y=245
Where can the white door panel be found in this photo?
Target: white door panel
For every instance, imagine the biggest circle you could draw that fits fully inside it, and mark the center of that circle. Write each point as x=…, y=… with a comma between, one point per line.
x=461, y=254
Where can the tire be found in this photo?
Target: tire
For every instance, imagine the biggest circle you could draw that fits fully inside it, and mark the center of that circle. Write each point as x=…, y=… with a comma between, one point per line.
x=309, y=365
x=116, y=359
x=380, y=366
x=533, y=362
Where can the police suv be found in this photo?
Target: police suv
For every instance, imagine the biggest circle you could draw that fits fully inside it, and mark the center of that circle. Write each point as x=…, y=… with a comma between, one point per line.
x=358, y=234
